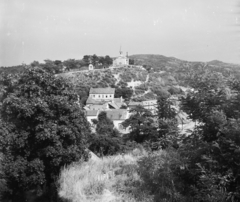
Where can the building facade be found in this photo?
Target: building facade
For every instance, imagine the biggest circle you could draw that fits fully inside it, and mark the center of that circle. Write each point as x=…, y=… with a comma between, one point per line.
x=102, y=93
x=121, y=60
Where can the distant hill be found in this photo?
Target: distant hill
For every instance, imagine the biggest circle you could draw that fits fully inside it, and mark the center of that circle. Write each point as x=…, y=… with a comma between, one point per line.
x=156, y=61
x=170, y=64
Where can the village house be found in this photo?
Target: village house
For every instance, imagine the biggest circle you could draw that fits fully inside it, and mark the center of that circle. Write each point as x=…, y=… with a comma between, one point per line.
x=103, y=99
x=91, y=114
x=151, y=105
x=117, y=117
x=102, y=93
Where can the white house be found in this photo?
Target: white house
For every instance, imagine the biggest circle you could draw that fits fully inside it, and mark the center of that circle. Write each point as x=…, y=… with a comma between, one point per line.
x=150, y=105
x=102, y=93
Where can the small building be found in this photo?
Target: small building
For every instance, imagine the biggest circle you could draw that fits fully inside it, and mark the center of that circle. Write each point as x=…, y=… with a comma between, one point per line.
x=90, y=67
x=118, y=116
x=91, y=114
x=121, y=60
x=150, y=105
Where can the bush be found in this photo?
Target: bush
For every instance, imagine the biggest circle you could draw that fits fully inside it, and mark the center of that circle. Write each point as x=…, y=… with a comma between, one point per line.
x=158, y=174
x=106, y=140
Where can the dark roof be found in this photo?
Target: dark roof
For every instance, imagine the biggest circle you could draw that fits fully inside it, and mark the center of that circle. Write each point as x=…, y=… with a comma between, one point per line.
x=119, y=114
x=114, y=105
x=92, y=112
x=102, y=91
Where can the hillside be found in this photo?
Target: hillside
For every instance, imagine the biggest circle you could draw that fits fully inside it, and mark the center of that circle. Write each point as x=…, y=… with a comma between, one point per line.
x=151, y=76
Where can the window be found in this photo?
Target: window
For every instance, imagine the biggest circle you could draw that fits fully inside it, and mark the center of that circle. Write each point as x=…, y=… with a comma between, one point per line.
x=99, y=96
x=93, y=95
x=106, y=96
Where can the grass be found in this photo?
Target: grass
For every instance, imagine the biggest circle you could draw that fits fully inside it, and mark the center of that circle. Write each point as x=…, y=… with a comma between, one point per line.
x=110, y=179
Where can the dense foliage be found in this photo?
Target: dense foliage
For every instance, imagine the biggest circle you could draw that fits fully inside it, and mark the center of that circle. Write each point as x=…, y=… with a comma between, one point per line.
x=106, y=140
x=212, y=153
x=42, y=128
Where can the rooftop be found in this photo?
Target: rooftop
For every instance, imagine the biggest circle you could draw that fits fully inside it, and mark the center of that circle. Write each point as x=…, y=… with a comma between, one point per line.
x=96, y=101
x=92, y=112
x=119, y=114
x=102, y=91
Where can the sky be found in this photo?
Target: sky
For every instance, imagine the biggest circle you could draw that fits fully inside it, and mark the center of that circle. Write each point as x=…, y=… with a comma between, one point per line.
x=193, y=30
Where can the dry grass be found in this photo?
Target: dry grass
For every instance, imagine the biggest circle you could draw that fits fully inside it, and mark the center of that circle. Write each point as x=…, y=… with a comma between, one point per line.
x=110, y=179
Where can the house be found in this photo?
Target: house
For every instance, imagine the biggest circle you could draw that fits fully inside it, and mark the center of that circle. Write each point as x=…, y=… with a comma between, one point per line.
x=118, y=116
x=121, y=60
x=132, y=104
x=101, y=96
x=102, y=99
x=151, y=105
x=91, y=114
x=102, y=93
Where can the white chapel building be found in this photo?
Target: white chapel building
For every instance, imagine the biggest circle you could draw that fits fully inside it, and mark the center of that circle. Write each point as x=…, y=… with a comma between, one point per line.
x=121, y=60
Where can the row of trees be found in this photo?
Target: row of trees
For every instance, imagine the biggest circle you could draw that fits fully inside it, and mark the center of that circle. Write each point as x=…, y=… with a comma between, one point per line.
x=58, y=66
x=97, y=60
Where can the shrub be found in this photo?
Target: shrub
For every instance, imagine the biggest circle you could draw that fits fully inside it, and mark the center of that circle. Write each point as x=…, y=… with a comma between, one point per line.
x=157, y=171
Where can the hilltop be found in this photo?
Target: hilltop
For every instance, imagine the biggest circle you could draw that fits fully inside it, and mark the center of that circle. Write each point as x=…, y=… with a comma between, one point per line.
x=150, y=76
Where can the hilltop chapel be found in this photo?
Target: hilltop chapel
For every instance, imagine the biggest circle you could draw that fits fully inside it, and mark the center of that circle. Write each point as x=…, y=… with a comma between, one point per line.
x=121, y=60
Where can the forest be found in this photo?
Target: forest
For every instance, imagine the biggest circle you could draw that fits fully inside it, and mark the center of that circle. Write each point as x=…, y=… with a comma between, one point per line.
x=47, y=145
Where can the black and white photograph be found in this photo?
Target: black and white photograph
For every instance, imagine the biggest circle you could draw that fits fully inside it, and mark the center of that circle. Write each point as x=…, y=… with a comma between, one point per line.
x=120, y=100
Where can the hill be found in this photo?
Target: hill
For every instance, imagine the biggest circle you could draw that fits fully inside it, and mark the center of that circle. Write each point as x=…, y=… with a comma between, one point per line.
x=150, y=76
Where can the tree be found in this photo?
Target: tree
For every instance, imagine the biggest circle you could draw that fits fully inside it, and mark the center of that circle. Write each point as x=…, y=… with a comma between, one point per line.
x=167, y=122
x=70, y=64
x=108, y=60
x=86, y=59
x=131, y=61
x=124, y=92
x=106, y=140
x=212, y=152
x=54, y=67
x=94, y=59
x=42, y=128
x=141, y=125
